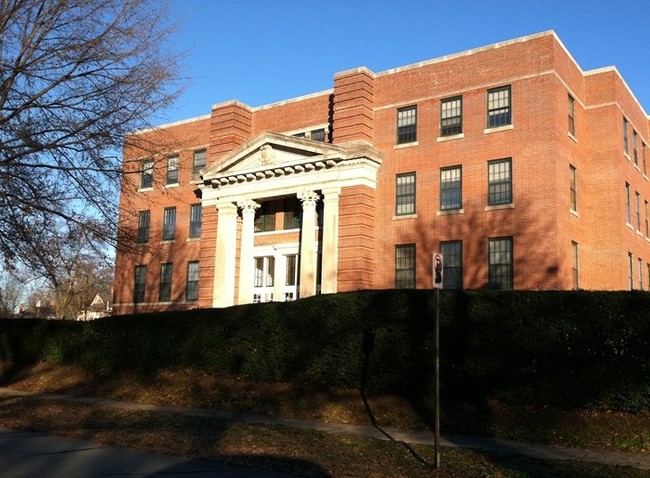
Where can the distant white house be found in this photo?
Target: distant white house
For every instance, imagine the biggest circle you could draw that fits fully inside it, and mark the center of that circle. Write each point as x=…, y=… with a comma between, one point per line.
x=98, y=308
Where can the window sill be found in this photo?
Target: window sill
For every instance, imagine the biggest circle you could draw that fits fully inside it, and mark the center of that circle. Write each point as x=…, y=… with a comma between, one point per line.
x=627, y=156
x=496, y=129
x=405, y=216
x=168, y=241
x=630, y=226
x=449, y=212
x=171, y=186
x=193, y=239
x=451, y=137
x=575, y=213
x=143, y=190
x=406, y=145
x=500, y=206
x=573, y=138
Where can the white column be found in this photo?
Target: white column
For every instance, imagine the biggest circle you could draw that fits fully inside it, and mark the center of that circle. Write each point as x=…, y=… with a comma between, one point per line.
x=308, y=254
x=330, y=247
x=224, y=257
x=246, y=264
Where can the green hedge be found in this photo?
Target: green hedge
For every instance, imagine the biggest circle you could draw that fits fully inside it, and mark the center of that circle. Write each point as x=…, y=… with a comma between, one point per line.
x=569, y=349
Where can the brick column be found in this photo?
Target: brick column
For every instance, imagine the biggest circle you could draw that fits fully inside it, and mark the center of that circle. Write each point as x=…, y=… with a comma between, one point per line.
x=353, y=105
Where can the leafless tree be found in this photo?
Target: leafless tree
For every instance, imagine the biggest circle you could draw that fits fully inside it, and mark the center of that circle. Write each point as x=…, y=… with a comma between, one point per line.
x=10, y=292
x=75, y=77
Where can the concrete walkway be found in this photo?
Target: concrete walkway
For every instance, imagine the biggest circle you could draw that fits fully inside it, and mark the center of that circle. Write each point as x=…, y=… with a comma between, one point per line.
x=491, y=445
x=26, y=454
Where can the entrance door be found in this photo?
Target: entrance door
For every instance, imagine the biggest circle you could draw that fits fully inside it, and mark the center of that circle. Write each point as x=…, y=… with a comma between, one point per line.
x=264, y=279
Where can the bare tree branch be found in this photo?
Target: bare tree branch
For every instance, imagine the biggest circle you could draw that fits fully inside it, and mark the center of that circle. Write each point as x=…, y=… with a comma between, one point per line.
x=76, y=76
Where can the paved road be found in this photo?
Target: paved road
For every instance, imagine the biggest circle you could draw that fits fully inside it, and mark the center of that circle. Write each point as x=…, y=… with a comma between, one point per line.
x=26, y=454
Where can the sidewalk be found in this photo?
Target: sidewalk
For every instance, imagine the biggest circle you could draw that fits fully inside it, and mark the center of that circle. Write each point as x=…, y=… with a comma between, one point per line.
x=491, y=445
x=25, y=454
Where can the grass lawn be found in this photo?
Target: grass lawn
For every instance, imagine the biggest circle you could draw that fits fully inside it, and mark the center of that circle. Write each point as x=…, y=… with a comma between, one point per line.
x=307, y=453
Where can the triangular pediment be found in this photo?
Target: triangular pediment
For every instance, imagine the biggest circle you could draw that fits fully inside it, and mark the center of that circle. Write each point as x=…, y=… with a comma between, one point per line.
x=272, y=150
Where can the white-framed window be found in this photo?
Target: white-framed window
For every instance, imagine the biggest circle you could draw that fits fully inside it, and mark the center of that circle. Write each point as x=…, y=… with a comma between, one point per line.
x=195, y=221
x=407, y=125
x=451, y=187
x=192, y=285
x=172, y=170
x=169, y=224
x=500, y=263
x=499, y=182
x=405, y=266
x=405, y=194
x=146, y=179
x=165, y=286
x=499, y=110
x=451, y=116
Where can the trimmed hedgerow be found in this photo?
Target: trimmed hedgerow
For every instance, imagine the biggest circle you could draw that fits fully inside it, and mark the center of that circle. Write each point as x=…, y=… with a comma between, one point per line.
x=569, y=349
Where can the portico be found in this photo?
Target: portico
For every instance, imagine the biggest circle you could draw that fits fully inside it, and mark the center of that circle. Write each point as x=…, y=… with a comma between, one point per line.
x=277, y=201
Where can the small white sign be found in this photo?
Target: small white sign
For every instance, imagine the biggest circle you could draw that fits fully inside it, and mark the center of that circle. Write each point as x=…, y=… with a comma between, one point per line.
x=437, y=270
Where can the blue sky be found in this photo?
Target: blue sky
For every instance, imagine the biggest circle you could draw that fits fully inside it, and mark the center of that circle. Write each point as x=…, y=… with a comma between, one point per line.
x=263, y=51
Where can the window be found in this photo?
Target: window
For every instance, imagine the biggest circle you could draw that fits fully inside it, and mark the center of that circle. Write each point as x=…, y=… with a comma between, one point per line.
x=625, y=143
x=630, y=270
x=199, y=161
x=628, y=212
x=318, y=134
x=451, y=188
x=264, y=271
x=165, y=287
x=405, y=266
x=169, y=224
x=192, y=286
x=647, y=223
x=195, y=221
x=499, y=182
x=640, y=262
x=144, y=219
x=451, y=116
x=405, y=194
x=292, y=211
x=638, y=212
x=500, y=263
x=452, y=253
x=139, y=284
x=265, y=219
x=635, y=147
x=575, y=266
x=573, y=175
x=499, y=111
x=407, y=125
x=146, y=181
x=572, y=117
x=172, y=170
x=643, y=159
x=291, y=271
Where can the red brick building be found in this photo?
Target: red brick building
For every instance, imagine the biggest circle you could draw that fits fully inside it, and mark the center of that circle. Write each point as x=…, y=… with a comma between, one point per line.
x=525, y=171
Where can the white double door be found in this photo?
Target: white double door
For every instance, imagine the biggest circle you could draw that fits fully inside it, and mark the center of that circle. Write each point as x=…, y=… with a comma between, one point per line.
x=275, y=274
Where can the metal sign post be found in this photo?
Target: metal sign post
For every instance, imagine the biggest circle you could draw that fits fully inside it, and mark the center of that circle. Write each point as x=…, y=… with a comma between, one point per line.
x=437, y=284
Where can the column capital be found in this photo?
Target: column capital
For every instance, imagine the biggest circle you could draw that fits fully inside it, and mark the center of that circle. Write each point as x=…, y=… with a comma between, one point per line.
x=248, y=205
x=308, y=198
